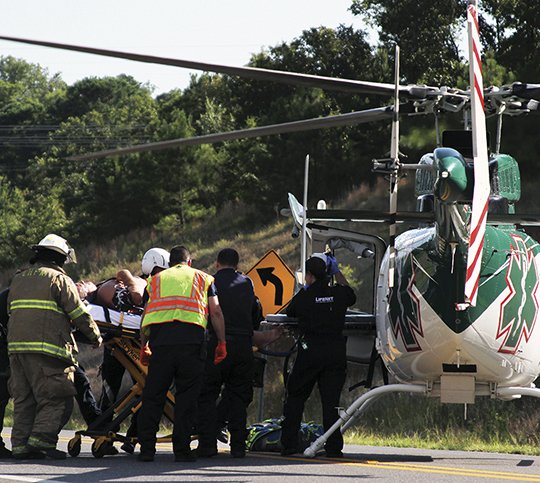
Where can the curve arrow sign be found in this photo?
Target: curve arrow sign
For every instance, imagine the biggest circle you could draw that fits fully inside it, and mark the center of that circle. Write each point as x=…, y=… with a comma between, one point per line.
x=266, y=275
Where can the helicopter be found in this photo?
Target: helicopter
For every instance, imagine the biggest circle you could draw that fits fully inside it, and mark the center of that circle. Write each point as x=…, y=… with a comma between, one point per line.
x=457, y=298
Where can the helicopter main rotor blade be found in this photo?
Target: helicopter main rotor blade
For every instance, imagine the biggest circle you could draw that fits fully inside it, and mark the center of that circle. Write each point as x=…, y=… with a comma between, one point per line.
x=306, y=80
x=525, y=91
x=348, y=119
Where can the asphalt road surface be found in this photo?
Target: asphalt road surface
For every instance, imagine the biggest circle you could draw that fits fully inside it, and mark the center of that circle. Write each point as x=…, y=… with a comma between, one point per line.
x=365, y=463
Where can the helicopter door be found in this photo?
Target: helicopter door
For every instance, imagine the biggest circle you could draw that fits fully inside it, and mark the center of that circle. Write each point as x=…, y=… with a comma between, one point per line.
x=359, y=256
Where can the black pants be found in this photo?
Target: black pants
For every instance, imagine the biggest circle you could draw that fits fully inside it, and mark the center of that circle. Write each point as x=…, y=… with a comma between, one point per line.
x=112, y=374
x=85, y=397
x=183, y=364
x=235, y=376
x=4, y=398
x=323, y=362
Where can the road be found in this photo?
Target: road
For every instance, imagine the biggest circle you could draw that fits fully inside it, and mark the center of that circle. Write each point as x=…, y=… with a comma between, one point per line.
x=366, y=463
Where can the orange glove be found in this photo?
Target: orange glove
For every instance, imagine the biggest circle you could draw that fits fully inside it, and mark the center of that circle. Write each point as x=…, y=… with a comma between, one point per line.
x=145, y=355
x=221, y=352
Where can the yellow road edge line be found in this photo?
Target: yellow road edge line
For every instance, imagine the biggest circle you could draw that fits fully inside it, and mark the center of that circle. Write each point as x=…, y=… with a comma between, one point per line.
x=413, y=467
x=416, y=465
x=387, y=465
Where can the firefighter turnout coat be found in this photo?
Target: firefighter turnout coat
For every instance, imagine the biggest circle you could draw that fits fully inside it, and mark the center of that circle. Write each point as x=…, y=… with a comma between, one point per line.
x=44, y=307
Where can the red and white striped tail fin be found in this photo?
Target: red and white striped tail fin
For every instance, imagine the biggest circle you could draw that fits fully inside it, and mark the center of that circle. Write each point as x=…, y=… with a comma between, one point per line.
x=480, y=157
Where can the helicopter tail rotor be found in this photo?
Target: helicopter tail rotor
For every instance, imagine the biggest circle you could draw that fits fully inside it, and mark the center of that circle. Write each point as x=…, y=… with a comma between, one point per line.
x=480, y=158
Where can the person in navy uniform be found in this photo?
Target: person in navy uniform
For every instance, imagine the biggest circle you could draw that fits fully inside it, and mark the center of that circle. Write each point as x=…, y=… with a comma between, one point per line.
x=320, y=309
x=242, y=314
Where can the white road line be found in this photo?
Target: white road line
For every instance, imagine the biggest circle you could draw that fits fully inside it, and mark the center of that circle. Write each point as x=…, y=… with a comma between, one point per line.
x=26, y=479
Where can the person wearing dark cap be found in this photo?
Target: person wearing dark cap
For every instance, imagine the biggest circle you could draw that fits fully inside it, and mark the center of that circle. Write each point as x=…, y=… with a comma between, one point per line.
x=235, y=374
x=44, y=306
x=320, y=308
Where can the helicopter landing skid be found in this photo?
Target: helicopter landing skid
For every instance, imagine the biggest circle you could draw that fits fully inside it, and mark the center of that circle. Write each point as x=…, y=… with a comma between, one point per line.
x=361, y=404
x=356, y=409
x=512, y=392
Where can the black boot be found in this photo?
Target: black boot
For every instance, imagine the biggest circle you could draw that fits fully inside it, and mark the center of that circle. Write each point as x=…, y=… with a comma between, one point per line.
x=5, y=453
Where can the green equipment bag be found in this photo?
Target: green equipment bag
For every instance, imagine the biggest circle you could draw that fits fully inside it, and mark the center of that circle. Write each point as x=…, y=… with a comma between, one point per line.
x=266, y=436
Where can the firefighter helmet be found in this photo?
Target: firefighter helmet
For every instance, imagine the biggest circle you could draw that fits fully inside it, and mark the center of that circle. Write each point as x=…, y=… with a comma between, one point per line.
x=57, y=244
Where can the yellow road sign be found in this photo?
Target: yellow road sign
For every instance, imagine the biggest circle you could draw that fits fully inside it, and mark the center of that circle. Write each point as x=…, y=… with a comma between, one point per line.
x=273, y=282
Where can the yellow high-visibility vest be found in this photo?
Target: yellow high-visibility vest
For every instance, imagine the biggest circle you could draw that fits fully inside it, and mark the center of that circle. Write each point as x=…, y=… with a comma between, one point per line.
x=177, y=294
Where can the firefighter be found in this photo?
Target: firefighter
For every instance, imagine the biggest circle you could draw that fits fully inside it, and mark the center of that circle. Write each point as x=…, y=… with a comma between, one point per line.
x=173, y=343
x=321, y=358
x=242, y=315
x=4, y=369
x=44, y=307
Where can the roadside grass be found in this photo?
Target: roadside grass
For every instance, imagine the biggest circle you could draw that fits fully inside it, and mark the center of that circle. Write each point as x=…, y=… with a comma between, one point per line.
x=403, y=420
x=452, y=439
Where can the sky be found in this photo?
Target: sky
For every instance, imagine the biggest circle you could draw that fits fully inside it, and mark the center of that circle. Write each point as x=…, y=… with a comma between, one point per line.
x=215, y=31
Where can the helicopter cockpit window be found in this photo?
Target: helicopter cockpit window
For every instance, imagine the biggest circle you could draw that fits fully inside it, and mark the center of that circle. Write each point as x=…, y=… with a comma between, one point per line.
x=356, y=261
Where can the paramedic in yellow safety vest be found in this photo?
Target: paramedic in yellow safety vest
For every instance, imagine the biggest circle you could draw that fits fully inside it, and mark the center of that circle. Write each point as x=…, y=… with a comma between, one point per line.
x=173, y=346
x=44, y=308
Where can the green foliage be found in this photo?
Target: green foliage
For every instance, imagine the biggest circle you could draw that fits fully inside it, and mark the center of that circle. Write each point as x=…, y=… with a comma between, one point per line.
x=28, y=96
x=424, y=30
x=45, y=121
x=514, y=26
x=26, y=217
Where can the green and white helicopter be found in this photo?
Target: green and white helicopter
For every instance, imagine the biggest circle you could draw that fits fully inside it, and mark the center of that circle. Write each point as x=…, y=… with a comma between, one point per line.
x=456, y=299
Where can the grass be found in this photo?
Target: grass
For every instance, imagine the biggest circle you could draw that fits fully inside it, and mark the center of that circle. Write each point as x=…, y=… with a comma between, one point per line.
x=435, y=439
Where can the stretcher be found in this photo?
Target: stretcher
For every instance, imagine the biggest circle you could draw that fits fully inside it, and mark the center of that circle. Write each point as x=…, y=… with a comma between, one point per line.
x=120, y=332
x=361, y=342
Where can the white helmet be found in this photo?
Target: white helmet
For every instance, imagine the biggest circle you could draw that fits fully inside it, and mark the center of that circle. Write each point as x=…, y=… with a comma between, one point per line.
x=57, y=244
x=155, y=257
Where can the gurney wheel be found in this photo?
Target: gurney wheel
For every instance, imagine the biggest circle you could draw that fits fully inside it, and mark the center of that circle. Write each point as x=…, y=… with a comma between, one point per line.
x=99, y=447
x=74, y=446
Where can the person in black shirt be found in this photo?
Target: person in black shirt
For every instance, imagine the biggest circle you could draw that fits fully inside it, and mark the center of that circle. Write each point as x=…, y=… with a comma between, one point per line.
x=235, y=373
x=321, y=358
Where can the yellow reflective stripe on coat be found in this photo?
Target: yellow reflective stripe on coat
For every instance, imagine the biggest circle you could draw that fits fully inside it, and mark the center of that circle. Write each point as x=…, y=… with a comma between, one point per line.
x=35, y=304
x=41, y=347
x=77, y=312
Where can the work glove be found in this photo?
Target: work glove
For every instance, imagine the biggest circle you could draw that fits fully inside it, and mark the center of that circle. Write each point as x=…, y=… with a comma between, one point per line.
x=145, y=354
x=221, y=352
x=331, y=265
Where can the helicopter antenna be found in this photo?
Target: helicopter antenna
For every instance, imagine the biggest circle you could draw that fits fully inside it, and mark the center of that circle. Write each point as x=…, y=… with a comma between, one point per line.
x=480, y=160
x=303, y=249
x=499, y=129
x=394, y=174
x=437, y=130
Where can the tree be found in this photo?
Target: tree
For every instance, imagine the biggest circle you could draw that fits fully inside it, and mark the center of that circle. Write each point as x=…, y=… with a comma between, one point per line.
x=27, y=98
x=515, y=28
x=26, y=217
x=424, y=30
x=102, y=194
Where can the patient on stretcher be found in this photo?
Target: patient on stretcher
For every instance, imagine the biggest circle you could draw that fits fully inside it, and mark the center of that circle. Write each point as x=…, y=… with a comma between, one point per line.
x=118, y=301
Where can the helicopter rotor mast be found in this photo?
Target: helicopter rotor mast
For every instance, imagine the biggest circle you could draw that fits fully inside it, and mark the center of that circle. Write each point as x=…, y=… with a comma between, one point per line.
x=394, y=175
